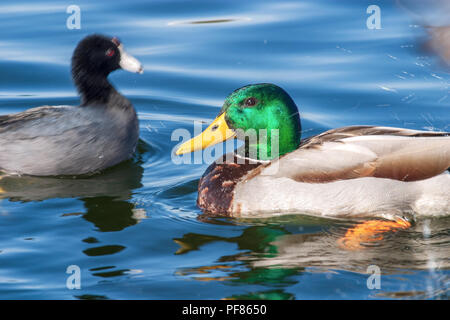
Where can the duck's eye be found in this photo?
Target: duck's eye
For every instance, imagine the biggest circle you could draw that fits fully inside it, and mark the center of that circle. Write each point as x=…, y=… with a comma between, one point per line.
x=110, y=52
x=250, y=102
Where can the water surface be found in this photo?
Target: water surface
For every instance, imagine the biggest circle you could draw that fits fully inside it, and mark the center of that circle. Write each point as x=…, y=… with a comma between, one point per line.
x=135, y=230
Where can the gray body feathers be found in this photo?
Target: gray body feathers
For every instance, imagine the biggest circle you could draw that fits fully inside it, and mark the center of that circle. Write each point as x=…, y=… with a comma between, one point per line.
x=67, y=140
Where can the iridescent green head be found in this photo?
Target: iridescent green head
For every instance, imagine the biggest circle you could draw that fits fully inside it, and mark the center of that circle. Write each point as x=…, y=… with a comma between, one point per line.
x=263, y=115
x=268, y=111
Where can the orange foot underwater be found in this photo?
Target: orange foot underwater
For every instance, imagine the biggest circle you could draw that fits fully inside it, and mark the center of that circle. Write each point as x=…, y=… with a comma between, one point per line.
x=370, y=231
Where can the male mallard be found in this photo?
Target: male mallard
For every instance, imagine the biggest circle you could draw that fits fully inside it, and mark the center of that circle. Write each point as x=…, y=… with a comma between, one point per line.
x=357, y=171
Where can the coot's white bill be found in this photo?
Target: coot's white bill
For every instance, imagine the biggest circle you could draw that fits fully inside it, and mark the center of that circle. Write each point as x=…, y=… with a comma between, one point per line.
x=128, y=62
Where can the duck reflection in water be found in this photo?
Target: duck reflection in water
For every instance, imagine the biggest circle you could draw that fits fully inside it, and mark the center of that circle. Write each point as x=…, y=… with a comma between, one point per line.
x=275, y=253
x=105, y=195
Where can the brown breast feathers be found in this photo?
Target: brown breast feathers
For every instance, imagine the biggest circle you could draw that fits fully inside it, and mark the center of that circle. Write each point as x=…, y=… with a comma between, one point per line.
x=215, y=189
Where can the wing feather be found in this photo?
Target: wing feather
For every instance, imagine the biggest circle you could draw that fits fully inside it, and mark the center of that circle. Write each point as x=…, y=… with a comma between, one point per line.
x=364, y=151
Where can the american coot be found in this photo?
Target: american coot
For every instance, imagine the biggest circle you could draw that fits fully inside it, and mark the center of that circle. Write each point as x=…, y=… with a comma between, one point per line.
x=73, y=140
x=350, y=171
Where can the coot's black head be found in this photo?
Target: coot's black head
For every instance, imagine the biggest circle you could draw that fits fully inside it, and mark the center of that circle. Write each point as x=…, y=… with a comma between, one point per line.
x=98, y=55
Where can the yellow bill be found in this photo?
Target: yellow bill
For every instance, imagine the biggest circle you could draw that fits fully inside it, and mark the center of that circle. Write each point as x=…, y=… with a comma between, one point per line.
x=218, y=131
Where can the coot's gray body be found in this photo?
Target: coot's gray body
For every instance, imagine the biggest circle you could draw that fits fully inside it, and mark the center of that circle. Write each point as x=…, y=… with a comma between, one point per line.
x=73, y=140
x=67, y=140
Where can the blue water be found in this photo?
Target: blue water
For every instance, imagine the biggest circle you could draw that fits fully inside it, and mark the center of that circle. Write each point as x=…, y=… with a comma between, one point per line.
x=135, y=231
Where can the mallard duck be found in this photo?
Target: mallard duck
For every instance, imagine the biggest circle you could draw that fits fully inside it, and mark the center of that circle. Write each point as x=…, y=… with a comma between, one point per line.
x=73, y=140
x=355, y=171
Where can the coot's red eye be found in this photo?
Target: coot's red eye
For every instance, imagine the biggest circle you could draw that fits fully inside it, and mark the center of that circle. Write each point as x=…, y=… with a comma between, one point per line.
x=250, y=102
x=110, y=52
